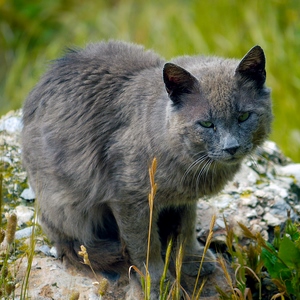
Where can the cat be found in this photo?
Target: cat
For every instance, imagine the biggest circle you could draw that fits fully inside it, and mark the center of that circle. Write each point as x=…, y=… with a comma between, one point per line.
x=96, y=120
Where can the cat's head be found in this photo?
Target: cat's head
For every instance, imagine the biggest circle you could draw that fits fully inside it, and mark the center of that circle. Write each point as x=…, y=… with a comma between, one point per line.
x=220, y=107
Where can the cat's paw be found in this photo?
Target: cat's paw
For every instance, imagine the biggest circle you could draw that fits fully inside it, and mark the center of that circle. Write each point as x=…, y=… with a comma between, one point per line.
x=191, y=264
x=135, y=292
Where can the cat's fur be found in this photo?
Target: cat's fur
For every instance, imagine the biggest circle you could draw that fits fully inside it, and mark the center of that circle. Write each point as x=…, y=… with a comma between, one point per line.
x=98, y=117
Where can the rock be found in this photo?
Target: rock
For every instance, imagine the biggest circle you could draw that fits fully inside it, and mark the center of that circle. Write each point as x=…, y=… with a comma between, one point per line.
x=281, y=208
x=277, y=190
x=271, y=220
x=290, y=170
x=45, y=249
x=50, y=279
x=53, y=252
x=250, y=200
x=24, y=233
x=10, y=123
x=245, y=178
x=28, y=194
x=251, y=214
x=24, y=214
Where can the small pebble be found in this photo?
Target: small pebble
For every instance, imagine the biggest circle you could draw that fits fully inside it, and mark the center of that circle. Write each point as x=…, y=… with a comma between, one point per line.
x=28, y=194
x=45, y=249
x=53, y=252
x=24, y=233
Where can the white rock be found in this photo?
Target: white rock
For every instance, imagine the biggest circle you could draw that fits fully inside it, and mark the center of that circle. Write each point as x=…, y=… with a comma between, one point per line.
x=24, y=233
x=246, y=177
x=264, y=194
x=259, y=209
x=45, y=249
x=271, y=220
x=277, y=190
x=297, y=208
x=53, y=252
x=28, y=194
x=251, y=213
x=256, y=228
x=270, y=147
x=221, y=201
x=11, y=124
x=250, y=200
x=220, y=223
x=290, y=170
x=24, y=214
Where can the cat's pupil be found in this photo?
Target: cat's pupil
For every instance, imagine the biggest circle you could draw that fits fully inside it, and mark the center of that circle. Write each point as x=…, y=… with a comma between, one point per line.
x=206, y=124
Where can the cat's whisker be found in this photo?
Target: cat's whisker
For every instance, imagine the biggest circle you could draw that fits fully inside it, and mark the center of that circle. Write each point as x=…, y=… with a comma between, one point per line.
x=200, y=166
x=202, y=172
x=198, y=161
x=208, y=168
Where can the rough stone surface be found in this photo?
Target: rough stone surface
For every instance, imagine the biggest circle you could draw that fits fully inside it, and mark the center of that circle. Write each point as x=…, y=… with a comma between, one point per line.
x=260, y=196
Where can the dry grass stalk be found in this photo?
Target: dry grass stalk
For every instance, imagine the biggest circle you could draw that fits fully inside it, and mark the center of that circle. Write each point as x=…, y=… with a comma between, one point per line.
x=103, y=282
x=11, y=228
x=206, y=247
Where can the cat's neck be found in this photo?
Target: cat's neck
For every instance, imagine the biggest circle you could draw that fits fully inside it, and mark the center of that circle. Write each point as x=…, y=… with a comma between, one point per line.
x=188, y=185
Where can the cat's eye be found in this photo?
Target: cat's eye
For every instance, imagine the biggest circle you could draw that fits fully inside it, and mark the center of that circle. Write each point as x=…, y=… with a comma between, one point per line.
x=243, y=117
x=206, y=124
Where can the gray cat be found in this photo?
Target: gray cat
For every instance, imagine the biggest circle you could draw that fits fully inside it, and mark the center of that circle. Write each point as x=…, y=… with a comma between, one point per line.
x=98, y=117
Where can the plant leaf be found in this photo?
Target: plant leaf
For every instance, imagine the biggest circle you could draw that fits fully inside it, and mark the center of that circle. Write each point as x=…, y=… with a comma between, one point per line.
x=289, y=253
x=276, y=268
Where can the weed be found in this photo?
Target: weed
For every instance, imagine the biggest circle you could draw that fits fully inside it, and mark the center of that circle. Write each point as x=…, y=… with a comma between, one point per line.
x=30, y=254
x=281, y=260
x=101, y=284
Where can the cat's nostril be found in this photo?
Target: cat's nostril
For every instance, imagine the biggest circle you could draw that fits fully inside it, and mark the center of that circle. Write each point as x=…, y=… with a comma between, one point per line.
x=231, y=150
x=231, y=145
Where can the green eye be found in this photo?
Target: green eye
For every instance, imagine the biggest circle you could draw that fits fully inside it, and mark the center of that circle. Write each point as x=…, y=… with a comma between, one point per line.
x=243, y=117
x=206, y=124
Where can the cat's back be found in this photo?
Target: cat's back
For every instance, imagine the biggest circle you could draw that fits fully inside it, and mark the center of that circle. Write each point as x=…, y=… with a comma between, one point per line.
x=83, y=75
x=121, y=57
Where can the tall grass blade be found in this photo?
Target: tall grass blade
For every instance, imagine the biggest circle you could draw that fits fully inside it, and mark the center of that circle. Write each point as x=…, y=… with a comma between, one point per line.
x=30, y=255
x=206, y=247
x=164, y=282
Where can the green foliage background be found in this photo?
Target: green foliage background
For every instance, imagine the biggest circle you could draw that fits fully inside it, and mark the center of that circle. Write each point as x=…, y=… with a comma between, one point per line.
x=33, y=32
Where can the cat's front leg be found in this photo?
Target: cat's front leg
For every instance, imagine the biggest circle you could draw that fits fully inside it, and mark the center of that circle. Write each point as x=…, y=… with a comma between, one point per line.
x=194, y=251
x=133, y=223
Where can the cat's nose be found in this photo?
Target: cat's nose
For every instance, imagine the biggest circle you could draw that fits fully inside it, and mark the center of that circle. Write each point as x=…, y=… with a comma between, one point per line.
x=231, y=145
x=231, y=150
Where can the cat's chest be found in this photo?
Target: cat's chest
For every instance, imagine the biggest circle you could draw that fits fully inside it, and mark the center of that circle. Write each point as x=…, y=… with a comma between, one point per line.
x=176, y=188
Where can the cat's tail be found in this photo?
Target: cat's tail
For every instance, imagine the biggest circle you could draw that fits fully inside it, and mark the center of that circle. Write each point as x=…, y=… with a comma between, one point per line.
x=104, y=255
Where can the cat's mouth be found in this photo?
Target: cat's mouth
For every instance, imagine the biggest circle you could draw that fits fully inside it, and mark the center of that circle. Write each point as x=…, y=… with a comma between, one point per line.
x=233, y=160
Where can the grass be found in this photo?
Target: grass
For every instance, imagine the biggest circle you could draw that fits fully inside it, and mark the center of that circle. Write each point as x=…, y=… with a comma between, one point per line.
x=8, y=254
x=35, y=32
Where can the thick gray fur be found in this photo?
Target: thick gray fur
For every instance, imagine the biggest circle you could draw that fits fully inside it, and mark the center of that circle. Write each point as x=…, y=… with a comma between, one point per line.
x=98, y=117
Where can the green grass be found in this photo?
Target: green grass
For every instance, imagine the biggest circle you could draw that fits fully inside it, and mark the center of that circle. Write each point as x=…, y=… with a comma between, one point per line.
x=35, y=32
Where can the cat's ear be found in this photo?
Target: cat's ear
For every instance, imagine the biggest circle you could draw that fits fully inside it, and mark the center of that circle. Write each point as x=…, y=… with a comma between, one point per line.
x=178, y=81
x=252, y=66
